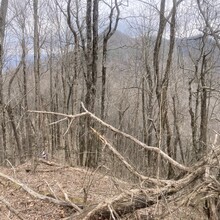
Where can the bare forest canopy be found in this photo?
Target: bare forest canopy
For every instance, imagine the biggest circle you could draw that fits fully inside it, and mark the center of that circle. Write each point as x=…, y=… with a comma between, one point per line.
x=128, y=86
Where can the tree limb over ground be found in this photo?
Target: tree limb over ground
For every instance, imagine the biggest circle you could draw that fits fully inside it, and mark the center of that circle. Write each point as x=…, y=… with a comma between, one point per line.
x=141, y=144
x=197, y=179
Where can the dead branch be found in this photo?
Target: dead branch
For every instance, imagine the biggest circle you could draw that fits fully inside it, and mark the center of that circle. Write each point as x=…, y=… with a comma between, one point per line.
x=143, y=145
x=51, y=163
x=69, y=126
x=120, y=205
x=139, y=143
x=135, y=199
x=127, y=165
x=59, y=114
x=56, y=122
x=67, y=199
x=35, y=194
x=50, y=170
x=10, y=208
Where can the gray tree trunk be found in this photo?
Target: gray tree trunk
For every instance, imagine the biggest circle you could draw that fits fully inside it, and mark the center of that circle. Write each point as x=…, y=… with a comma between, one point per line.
x=3, y=144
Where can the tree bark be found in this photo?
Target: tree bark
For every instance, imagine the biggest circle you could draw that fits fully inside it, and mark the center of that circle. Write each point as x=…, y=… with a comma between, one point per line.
x=37, y=143
x=92, y=13
x=108, y=33
x=3, y=13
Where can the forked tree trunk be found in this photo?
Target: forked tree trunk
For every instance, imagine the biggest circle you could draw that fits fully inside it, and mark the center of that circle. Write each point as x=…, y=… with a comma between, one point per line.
x=109, y=32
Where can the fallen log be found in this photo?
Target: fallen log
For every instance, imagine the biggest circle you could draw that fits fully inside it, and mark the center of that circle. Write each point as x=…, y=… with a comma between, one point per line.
x=135, y=199
x=118, y=206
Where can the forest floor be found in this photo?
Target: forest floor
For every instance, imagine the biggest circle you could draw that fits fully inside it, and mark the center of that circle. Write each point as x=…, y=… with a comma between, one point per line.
x=83, y=187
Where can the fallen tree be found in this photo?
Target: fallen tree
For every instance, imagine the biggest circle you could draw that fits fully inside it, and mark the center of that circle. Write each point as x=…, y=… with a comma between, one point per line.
x=199, y=179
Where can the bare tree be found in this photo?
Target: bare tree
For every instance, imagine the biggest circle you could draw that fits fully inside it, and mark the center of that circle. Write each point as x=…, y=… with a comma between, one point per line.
x=108, y=33
x=3, y=13
x=36, y=55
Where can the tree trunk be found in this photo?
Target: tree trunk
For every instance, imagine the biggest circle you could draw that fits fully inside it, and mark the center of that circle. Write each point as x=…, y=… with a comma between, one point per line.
x=91, y=152
x=109, y=32
x=37, y=144
x=204, y=114
x=3, y=13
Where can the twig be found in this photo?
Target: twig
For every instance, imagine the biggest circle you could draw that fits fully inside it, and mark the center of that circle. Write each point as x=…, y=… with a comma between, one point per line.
x=68, y=126
x=51, y=190
x=56, y=122
x=59, y=114
x=51, y=163
x=76, y=207
x=14, y=170
x=112, y=212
